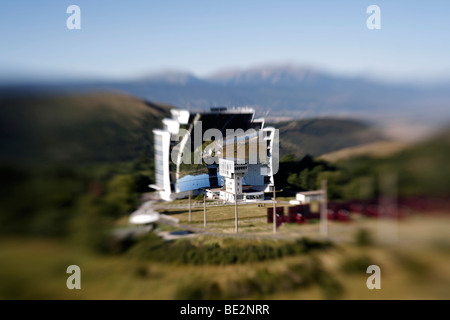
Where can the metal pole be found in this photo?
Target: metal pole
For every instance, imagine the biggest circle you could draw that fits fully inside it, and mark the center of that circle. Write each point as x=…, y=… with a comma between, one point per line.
x=324, y=211
x=235, y=205
x=204, y=211
x=190, y=212
x=388, y=208
x=274, y=211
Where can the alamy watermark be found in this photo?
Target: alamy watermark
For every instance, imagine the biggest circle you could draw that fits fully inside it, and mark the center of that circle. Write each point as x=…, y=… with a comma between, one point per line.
x=73, y=22
x=374, y=281
x=374, y=20
x=250, y=146
x=73, y=281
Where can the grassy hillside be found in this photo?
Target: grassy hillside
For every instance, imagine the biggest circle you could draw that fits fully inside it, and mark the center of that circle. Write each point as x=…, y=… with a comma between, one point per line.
x=420, y=169
x=72, y=166
x=72, y=163
x=95, y=127
x=374, y=149
x=408, y=271
x=319, y=136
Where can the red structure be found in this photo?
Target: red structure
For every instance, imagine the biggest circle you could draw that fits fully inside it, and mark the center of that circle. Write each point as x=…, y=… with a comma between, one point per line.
x=297, y=214
x=280, y=213
x=340, y=211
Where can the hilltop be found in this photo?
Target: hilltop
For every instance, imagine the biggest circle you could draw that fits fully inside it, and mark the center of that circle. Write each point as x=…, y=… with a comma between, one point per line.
x=316, y=137
x=374, y=149
x=109, y=127
x=73, y=128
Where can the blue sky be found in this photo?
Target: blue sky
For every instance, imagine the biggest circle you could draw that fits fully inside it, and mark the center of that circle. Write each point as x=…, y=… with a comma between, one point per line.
x=126, y=39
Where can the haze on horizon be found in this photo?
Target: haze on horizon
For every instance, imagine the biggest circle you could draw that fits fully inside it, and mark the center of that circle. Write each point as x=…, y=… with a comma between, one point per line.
x=123, y=41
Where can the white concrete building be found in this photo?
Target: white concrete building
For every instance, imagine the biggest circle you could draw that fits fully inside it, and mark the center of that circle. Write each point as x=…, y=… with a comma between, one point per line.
x=174, y=179
x=232, y=171
x=309, y=196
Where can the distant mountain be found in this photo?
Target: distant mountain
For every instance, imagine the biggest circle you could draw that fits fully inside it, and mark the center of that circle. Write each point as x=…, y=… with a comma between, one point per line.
x=171, y=78
x=280, y=91
x=271, y=76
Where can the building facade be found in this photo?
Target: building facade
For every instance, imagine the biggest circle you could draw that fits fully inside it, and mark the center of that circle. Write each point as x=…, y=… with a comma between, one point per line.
x=185, y=164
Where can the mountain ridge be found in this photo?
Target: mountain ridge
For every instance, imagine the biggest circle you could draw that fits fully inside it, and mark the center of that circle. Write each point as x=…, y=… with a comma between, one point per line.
x=281, y=90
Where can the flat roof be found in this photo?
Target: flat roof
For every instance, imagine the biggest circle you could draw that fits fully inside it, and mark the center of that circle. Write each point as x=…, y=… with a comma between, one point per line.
x=235, y=160
x=252, y=191
x=213, y=189
x=249, y=191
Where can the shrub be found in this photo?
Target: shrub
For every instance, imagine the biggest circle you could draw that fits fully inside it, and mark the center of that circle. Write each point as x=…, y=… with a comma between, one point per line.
x=363, y=238
x=264, y=283
x=185, y=252
x=199, y=289
x=199, y=197
x=356, y=265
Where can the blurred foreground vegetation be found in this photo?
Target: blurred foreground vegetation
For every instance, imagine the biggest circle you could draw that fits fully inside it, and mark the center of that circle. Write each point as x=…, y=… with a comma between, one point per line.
x=421, y=169
x=72, y=164
x=186, y=252
x=36, y=269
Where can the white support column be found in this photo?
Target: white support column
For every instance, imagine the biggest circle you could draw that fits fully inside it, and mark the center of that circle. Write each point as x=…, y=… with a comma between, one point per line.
x=235, y=205
x=190, y=211
x=274, y=211
x=204, y=211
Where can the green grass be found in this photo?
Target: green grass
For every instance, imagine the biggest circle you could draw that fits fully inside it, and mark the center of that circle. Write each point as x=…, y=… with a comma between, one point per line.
x=320, y=136
x=218, y=213
x=252, y=220
x=186, y=251
x=375, y=149
x=33, y=268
